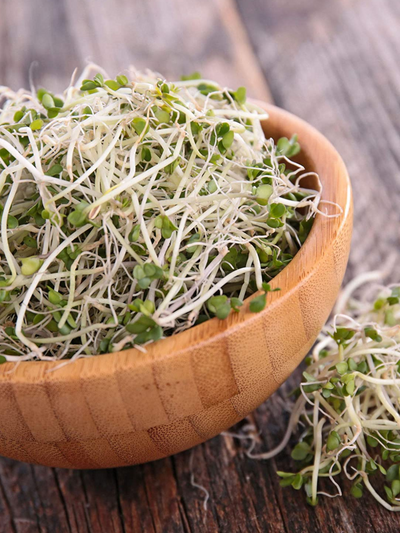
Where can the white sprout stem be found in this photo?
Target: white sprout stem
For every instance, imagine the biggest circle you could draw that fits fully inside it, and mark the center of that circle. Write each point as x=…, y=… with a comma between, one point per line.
x=317, y=454
x=35, y=281
x=204, y=297
x=75, y=334
x=377, y=496
x=71, y=294
x=114, y=191
x=293, y=420
x=4, y=220
x=90, y=170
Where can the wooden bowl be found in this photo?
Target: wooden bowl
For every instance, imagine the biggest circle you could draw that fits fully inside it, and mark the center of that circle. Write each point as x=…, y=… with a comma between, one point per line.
x=131, y=407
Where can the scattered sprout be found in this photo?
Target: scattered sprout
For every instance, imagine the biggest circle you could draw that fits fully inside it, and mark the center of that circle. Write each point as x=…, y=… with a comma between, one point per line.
x=348, y=404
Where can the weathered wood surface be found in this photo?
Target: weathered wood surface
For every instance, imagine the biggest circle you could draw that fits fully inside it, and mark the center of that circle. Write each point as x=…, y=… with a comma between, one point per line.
x=333, y=63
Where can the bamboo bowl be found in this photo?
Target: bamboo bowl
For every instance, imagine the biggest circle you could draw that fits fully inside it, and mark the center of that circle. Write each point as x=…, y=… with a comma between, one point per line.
x=129, y=407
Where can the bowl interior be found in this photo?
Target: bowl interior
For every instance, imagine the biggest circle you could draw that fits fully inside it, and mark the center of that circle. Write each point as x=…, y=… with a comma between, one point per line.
x=316, y=155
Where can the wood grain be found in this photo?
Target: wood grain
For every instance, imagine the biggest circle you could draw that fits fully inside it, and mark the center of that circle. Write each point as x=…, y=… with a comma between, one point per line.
x=131, y=407
x=173, y=37
x=335, y=66
x=333, y=63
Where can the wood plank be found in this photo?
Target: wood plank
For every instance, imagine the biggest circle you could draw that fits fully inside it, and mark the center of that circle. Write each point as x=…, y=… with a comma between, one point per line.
x=333, y=63
x=174, y=37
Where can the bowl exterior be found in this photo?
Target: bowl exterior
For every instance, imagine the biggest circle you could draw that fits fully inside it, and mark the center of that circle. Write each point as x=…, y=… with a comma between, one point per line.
x=129, y=407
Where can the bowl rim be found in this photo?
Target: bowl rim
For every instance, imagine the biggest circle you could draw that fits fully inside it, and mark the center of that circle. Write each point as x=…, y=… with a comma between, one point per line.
x=322, y=235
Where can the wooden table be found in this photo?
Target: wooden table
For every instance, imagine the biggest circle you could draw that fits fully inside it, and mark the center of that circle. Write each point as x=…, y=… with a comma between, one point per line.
x=334, y=63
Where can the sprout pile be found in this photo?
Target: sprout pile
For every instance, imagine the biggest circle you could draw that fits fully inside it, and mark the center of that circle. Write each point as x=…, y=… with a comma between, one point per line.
x=349, y=402
x=133, y=208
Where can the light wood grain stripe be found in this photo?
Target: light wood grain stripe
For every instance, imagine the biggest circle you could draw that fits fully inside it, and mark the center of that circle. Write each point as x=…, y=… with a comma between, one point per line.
x=33, y=399
x=141, y=397
x=213, y=373
x=174, y=437
x=175, y=382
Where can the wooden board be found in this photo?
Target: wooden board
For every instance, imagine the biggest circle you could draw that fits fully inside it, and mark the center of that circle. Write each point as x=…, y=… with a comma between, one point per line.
x=333, y=63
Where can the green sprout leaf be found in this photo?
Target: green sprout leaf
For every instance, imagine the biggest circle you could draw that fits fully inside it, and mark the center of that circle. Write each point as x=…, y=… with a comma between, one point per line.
x=36, y=124
x=12, y=222
x=223, y=311
x=215, y=302
x=206, y=88
x=342, y=335
x=193, y=76
x=30, y=265
x=288, y=148
x=55, y=170
x=47, y=101
x=55, y=297
x=227, y=139
x=78, y=217
x=167, y=227
x=263, y=194
x=88, y=85
x=112, y=84
x=393, y=473
x=122, y=80
x=236, y=303
x=258, y=303
x=139, y=124
x=342, y=367
x=240, y=95
x=333, y=441
x=300, y=451
x=99, y=80
x=357, y=490
x=162, y=116
x=276, y=210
